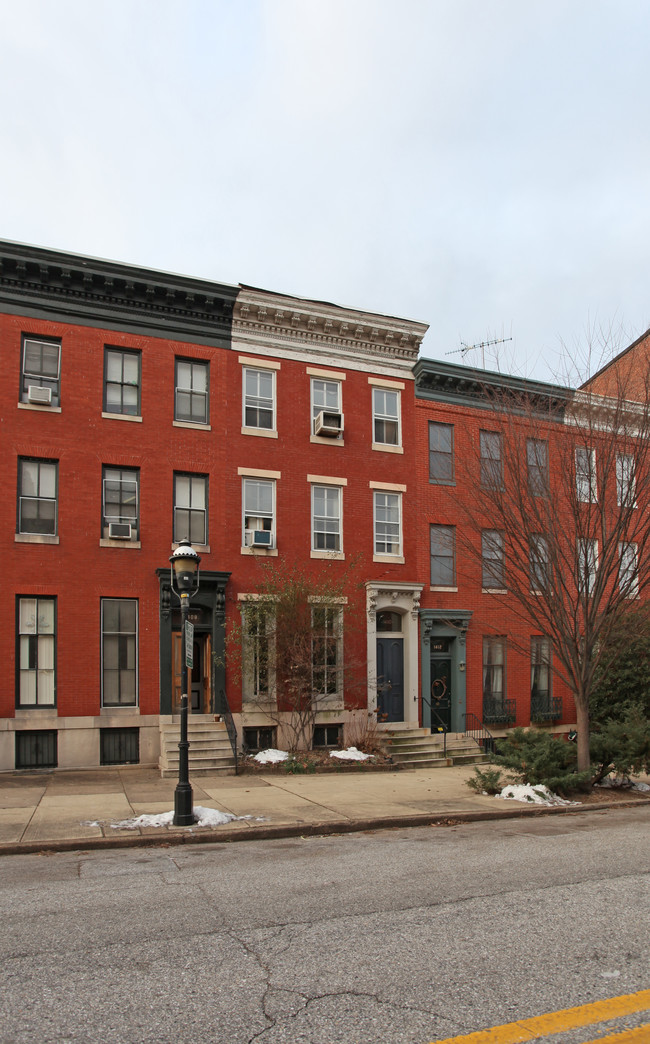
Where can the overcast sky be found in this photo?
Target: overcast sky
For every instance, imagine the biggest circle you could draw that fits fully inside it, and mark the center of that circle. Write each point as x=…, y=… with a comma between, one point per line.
x=481, y=165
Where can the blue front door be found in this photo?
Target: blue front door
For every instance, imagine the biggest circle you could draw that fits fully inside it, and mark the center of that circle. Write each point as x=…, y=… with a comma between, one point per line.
x=390, y=679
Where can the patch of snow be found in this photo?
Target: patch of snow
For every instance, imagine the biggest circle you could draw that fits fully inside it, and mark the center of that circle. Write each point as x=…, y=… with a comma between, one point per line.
x=203, y=817
x=351, y=754
x=538, y=795
x=641, y=786
x=270, y=756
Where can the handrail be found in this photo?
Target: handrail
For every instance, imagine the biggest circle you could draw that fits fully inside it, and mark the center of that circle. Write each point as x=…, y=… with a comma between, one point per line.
x=223, y=709
x=442, y=726
x=475, y=728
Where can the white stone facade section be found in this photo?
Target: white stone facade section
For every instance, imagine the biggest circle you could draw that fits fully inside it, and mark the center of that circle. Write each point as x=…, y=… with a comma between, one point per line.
x=402, y=598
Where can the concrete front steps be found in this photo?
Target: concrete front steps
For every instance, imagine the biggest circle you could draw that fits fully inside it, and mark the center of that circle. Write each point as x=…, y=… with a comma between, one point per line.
x=420, y=748
x=210, y=752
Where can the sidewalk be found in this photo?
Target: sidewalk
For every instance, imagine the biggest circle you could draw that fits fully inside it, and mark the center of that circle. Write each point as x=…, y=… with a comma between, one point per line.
x=60, y=811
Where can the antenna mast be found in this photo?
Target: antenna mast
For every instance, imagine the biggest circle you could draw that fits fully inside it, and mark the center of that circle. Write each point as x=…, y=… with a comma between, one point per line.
x=465, y=348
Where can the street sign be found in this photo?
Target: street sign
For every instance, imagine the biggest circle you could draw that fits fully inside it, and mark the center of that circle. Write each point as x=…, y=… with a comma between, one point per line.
x=189, y=644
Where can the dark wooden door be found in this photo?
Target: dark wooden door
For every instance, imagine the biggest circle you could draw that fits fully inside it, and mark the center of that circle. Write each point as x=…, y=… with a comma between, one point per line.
x=390, y=679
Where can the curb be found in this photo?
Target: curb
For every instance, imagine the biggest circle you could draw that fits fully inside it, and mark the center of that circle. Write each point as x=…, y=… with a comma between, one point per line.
x=173, y=837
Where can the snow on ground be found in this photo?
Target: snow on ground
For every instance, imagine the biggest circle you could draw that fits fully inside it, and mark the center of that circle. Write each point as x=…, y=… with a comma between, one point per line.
x=351, y=754
x=203, y=817
x=538, y=795
x=270, y=756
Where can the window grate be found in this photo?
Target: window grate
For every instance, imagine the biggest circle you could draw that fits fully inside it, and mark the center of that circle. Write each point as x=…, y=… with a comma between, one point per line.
x=36, y=749
x=119, y=746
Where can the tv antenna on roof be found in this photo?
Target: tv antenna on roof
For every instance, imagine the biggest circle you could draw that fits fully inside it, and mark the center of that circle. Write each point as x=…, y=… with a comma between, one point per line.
x=465, y=348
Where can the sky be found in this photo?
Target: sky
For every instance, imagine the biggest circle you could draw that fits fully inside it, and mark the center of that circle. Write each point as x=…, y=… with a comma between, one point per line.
x=479, y=165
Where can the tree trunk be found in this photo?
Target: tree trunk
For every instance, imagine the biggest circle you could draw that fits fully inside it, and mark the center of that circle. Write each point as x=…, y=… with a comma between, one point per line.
x=582, y=717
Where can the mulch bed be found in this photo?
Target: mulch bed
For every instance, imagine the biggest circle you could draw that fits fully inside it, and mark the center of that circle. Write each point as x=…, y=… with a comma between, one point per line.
x=319, y=761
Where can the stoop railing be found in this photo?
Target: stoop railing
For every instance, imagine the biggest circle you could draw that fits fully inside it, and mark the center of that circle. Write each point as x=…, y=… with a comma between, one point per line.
x=475, y=728
x=440, y=727
x=223, y=709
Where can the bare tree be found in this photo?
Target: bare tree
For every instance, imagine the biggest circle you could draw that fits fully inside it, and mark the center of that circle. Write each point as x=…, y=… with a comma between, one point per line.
x=562, y=513
x=295, y=647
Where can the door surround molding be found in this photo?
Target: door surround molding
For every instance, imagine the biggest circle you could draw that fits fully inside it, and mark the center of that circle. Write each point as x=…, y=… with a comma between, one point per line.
x=402, y=598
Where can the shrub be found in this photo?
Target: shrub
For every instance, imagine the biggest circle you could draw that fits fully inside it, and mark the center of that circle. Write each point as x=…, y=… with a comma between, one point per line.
x=486, y=781
x=537, y=757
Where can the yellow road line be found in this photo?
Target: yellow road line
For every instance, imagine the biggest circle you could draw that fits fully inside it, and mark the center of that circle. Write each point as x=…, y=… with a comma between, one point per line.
x=640, y=1035
x=557, y=1021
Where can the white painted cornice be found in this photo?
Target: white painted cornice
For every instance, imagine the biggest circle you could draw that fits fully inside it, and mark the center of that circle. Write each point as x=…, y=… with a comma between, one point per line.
x=266, y=323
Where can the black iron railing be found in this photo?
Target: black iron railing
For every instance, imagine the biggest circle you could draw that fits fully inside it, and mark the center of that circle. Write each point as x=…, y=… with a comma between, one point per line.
x=545, y=708
x=440, y=725
x=475, y=728
x=499, y=712
x=223, y=709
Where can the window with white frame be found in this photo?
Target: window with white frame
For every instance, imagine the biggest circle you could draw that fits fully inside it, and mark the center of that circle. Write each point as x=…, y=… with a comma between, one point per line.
x=257, y=632
x=586, y=481
x=326, y=518
x=37, y=496
x=36, y=652
x=122, y=382
x=40, y=375
x=326, y=650
x=540, y=668
x=191, y=400
x=493, y=560
x=625, y=480
x=386, y=417
x=537, y=465
x=119, y=652
x=191, y=508
x=628, y=569
x=539, y=560
x=494, y=674
x=259, y=398
x=587, y=564
x=121, y=504
x=258, y=498
x=325, y=399
x=443, y=555
x=388, y=523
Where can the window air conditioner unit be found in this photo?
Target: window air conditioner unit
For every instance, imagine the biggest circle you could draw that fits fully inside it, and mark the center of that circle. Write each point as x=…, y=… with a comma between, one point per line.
x=43, y=396
x=119, y=530
x=329, y=424
x=261, y=538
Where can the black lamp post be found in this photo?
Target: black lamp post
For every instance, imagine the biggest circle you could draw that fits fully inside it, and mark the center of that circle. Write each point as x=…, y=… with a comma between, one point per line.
x=184, y=583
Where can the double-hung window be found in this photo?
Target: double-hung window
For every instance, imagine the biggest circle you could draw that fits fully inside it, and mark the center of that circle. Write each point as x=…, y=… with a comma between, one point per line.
x=119, y=652
x=191, y=508
x=326, y=642
x=537, y=464
x=586, y=481
x=625, y=480
x=441, y=453
x=326, y=414
x=191, y=392
x=257, y=638
x=443, y=556
x=386, y=417
x=587, y=564
x=37, y=496
x=326, y=518
x=121, y=504
x=40, y=372
x=259, y=513
x=540, y=671
x=36, y=652
x=493, y=560
x=122, y=382
x=540, y=565
x=628, y=569
x=491, y=447
x=259, y=398
x=495, y=706
x=388, y=523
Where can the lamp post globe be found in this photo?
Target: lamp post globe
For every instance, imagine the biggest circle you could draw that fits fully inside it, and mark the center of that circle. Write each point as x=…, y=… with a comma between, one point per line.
x=185, y=563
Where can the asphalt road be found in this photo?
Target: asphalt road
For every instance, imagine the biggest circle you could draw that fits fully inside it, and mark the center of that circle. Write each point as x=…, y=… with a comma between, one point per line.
x=395, y=936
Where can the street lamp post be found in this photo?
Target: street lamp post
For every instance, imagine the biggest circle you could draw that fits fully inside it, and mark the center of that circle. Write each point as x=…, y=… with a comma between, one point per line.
x=185, y=583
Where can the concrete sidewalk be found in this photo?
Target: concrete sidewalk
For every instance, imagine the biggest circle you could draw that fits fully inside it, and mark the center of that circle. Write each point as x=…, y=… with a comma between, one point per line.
x=68, y=810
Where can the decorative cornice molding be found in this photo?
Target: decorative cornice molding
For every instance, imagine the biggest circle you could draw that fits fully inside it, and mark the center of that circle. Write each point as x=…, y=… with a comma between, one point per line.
x=468, y=386
x=50, y=284
x=315, y=328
